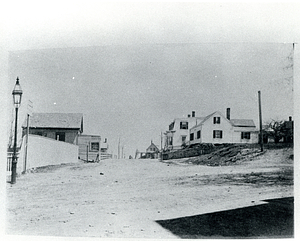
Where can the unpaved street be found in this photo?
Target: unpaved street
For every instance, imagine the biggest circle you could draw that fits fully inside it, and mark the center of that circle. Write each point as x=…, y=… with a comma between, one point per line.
x=126, y=198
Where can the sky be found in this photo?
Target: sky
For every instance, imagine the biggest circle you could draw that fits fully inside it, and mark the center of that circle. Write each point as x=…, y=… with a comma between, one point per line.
x=132, y=68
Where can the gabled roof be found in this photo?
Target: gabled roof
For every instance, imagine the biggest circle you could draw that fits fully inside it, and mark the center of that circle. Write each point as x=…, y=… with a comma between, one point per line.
x=243, y=122
x=56, y=120
x=207, y=117
x=233, y=122
x=152, y=145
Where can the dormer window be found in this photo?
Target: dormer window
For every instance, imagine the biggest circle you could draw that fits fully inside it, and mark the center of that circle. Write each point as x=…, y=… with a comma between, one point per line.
x=217, y=120
x=184, y=125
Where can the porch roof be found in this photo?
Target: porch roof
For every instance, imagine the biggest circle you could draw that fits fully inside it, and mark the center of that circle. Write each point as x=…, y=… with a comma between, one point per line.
x=243, y=122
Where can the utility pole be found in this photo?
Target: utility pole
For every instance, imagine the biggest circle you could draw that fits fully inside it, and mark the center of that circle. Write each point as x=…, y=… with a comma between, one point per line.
x=29, y=109
x=161, y=140
x=87, y=153
x=26, y=145
x=161, y=147
x=260, y=124
x=119, y=149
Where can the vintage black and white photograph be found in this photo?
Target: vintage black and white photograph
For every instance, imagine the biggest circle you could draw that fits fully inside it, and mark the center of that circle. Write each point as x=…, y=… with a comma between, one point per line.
x=153, y=120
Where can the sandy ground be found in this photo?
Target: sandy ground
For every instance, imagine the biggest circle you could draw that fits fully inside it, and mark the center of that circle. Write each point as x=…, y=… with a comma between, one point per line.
x=124, y=198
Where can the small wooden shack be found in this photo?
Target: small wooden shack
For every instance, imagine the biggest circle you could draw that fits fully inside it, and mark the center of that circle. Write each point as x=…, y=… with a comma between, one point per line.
x=89, y=148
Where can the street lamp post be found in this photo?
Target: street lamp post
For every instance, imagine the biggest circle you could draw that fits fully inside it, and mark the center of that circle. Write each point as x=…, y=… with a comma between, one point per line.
x=17, y=96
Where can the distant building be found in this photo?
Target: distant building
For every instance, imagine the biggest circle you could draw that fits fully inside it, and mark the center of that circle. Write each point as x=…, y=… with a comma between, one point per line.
x=104, y=150
x=89, y=147
x=288, y=130
x=284, y=132
x=59, y=126
x=152, y=152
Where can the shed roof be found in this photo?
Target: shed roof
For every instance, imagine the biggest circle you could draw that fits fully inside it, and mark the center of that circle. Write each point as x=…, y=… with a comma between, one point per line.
x=245, y=129
x=56, y=120
x=243, y=122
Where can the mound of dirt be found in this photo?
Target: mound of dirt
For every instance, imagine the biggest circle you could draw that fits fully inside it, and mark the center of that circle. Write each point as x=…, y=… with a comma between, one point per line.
x=229, y=155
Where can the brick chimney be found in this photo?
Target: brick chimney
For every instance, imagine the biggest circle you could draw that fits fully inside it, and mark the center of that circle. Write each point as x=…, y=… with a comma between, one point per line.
x=193, y=113
x=228, y=113
x=290, y=118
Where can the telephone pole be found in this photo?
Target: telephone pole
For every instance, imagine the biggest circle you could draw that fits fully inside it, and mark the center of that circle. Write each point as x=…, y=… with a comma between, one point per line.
x=161, y=145
x=119, y=149
x=260, y=124
x=29, y=113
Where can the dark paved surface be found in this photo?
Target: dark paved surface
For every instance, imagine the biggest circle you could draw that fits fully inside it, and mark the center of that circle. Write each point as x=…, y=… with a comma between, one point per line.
x=275, y=219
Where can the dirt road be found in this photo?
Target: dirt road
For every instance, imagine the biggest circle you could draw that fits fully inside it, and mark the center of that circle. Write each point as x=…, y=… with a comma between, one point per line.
x=127, y=198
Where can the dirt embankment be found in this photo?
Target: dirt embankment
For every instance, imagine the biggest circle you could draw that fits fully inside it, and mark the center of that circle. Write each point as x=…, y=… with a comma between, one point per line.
x=233, y=155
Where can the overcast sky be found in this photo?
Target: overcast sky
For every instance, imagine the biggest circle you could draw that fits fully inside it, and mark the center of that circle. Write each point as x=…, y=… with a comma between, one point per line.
x=132, y=68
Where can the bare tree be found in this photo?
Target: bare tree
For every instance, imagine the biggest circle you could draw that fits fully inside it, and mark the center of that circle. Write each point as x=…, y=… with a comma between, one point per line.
x=275, y=130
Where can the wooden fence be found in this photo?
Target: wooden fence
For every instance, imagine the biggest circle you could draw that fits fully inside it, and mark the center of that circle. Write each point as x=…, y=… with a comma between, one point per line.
x=9, y=161
x=105, y=156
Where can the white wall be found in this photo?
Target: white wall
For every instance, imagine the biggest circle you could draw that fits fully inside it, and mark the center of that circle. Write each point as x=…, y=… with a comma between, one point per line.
x=195, y=130
x=237, y=137
x=44, y=151
x=177, y=137
x=83, y=142
x=208, y=127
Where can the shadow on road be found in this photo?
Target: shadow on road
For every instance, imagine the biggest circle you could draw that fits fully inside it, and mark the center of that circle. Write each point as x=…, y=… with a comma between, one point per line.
x=274, y=219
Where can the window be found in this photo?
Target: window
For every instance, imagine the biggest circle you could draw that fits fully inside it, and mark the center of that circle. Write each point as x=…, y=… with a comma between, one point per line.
x=95, y=146
x=217, y=134
x=245, y=135
x=184, y=125
x=170, y=140
x=217, y=120
x=183, y=139
x=198, y=134
x=191, y=136
x=60, y=136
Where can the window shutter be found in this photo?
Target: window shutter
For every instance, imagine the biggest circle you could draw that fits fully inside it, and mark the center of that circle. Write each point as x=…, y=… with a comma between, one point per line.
x=214, y=122
x=214, y=134
x=221, y=134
